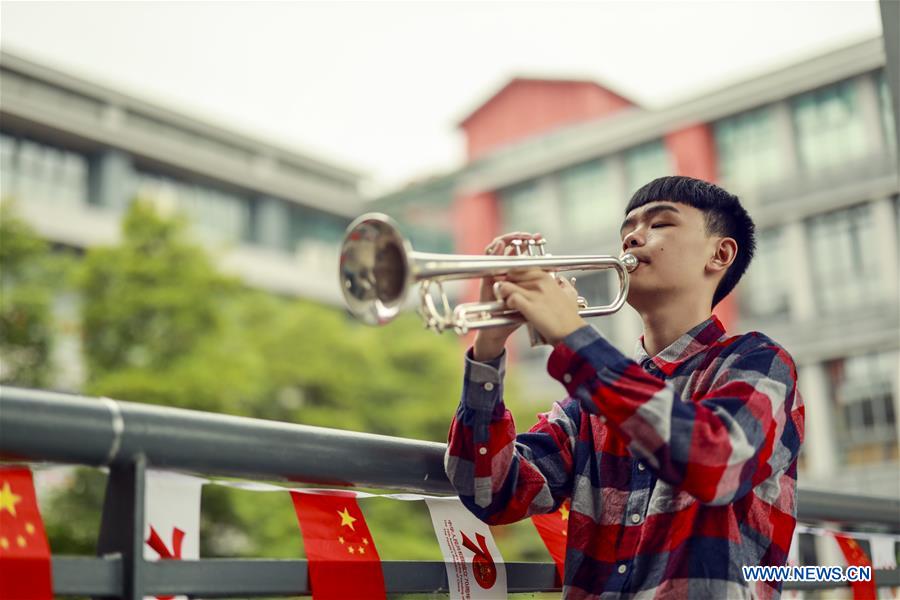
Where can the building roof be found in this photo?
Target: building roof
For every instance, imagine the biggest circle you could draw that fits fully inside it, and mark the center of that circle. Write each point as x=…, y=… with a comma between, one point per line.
x=518, y=80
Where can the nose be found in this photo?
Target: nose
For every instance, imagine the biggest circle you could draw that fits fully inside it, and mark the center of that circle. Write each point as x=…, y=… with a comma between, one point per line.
x=632, y=240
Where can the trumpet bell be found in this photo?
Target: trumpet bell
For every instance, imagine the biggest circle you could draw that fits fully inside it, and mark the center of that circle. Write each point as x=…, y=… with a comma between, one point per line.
x=375, y=272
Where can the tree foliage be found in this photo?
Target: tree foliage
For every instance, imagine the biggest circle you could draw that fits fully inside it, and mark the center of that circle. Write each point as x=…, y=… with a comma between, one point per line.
x=29, y=275
x=161, y=325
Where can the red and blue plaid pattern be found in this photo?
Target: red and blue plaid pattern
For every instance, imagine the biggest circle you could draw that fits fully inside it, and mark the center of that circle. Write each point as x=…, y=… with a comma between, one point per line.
x=681, y=468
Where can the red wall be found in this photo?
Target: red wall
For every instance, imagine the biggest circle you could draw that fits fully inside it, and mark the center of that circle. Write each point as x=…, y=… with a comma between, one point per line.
x=694, y=152
x=527, y=107
x=476, y=221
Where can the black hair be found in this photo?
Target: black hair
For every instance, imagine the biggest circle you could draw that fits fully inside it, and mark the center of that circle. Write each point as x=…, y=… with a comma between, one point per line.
x=722, y=212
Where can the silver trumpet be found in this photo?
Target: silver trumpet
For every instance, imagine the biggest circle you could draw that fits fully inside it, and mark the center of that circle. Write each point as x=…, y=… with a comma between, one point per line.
x=378, y=266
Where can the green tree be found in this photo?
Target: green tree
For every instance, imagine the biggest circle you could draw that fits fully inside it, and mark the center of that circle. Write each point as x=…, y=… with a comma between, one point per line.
x=29, y=274
x=162, y=326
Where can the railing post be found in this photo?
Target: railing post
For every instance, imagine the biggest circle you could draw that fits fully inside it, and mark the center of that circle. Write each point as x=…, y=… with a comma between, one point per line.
x=122, y=523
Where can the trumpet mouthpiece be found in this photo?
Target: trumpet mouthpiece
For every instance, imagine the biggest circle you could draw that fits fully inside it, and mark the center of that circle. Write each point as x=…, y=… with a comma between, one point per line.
x=630, y=261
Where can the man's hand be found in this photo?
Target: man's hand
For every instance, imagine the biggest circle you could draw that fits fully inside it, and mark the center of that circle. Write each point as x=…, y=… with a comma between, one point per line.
x=550, y=304
x=489, y=343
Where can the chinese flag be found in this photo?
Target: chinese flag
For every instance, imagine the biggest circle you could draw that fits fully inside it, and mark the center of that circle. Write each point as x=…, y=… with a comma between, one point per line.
x=552, y=529
x=343, y=561
x=24, y=551
x=853, y=552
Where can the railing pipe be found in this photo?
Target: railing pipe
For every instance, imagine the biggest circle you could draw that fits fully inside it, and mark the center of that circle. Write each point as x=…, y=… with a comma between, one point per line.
x=47, y=426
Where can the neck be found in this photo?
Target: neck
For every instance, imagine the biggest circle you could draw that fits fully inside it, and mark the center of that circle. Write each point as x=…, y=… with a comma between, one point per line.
x=666, y=322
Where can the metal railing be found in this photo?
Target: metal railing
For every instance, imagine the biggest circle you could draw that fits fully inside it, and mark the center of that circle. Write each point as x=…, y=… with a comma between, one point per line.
x=38, y=426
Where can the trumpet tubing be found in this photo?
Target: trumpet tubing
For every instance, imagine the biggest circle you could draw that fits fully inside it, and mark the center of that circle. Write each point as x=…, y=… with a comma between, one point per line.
x=378, y=266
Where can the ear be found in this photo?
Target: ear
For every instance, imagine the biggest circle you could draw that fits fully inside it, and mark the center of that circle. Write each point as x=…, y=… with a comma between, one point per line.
x=724, y=254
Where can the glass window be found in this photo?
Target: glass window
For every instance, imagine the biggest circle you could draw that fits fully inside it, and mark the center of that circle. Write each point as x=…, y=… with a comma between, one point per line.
x=8, y=167
x=887, y=111
x=309, y=225
x=765, y=285
x=748, y=151
x=588, y=195
x=35, y=172
x=829, y=127
x=844, y=262
x=218, y=215
x=645, y=163
x=862, y=389
x=526, y=207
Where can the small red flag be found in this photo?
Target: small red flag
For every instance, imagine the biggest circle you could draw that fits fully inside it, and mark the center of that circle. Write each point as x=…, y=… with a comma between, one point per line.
x=343, y=560
x=24, y=551
x=552, y=528
x=853, y=552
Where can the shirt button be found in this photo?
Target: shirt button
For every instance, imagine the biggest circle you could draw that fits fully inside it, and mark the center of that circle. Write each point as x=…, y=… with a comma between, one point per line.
x=622, y=569
x=635, y=518
x=482, y=451
x=641, y=466
x=602, y=419
x=489, y=386
x=567, y=378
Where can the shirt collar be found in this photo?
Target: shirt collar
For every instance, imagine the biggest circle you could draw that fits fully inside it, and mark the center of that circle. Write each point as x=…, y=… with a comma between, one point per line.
x=699, y=338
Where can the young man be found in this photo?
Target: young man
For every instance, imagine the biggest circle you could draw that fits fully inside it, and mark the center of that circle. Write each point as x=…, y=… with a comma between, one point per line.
x=681, y=465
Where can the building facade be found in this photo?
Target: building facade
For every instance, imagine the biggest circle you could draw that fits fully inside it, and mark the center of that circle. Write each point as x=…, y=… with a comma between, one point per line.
x=75, y=154
x=811, y=150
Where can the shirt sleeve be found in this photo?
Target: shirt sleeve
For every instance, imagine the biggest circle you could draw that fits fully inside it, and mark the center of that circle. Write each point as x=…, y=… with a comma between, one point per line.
x=717, y=446
x=500, y=476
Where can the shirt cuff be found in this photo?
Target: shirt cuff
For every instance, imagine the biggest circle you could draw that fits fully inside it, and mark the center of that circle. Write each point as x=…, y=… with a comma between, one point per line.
x=483, y=381
x=580, y=356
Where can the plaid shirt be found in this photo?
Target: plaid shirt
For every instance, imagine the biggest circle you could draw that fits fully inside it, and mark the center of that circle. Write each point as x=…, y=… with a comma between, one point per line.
x=681, y=467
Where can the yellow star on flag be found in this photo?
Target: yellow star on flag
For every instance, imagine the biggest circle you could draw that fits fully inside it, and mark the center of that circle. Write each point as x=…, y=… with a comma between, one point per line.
x=350, y=549
x=565, y=512
x=8, y=500
x=361, y=550
x=346, y=519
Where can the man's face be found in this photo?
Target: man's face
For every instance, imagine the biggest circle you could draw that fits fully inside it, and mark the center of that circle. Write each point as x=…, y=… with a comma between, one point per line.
x=671, y=242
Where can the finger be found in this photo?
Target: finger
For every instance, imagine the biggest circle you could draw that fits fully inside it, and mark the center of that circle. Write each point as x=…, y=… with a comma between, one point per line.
x=531, y=274
x=494, y=247
x=566, y=283
x=505, y=289
x=518, y=235
x=507, y=238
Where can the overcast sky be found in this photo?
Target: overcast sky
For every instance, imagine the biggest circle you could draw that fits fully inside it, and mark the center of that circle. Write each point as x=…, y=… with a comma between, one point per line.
x=380, y=86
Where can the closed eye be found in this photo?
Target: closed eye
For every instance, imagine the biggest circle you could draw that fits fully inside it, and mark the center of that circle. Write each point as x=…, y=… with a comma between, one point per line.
x=655, y=225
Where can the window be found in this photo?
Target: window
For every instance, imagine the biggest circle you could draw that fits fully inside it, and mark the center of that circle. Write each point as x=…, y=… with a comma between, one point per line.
x=765, y=285
x=844, y=261
x=527, y=207
x=748, y=150
x=887, y=111
x=645, y=163
x=218, y=215
x=589, y=199
x=35, y=172
x=862, y=389
x=313, y=226
x=829, y=126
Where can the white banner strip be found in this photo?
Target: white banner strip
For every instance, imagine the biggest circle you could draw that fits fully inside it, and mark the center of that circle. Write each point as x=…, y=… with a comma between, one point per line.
x=855, y=534
x=253, y=486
